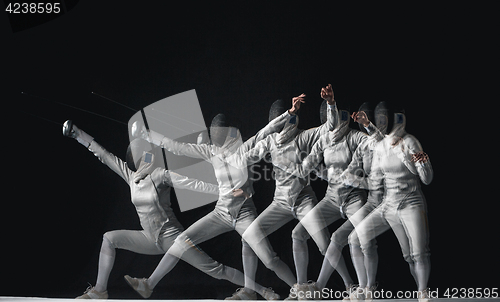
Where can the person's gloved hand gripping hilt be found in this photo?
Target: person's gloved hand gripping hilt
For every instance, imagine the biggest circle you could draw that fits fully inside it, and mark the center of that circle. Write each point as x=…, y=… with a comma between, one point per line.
x=71, y=130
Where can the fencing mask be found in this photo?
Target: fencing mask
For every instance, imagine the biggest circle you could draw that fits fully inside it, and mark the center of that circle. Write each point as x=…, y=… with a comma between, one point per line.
x=383, y=116
x=398, y=129
x=223, y=134
x=277, y=108
x=342, y=127
x=219, y=129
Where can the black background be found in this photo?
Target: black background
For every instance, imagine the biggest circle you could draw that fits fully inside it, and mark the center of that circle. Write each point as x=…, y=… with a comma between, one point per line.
x=435, y=61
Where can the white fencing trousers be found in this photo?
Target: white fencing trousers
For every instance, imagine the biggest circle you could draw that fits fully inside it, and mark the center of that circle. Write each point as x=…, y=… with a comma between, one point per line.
x=327, y=212
x=274, y=217
x=211, y=225
x=140, y=242
x=407, y=218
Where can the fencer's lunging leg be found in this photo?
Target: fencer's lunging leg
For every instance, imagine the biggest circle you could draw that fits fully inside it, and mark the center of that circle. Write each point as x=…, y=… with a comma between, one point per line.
x=256, y=237
x=106, y=261
x=197, y=258
x=266, y=254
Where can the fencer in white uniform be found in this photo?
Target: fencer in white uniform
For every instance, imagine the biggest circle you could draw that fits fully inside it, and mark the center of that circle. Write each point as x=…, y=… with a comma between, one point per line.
x=335, y=149
x=230, y=213
x=150, y=188
x=398, y=166
x=356, y=175
x=293, y=197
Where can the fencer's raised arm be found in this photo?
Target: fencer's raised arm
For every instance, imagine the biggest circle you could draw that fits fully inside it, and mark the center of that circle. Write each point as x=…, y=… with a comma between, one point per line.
x=168, y=178
x=274, y=126
x=360, y=167
x=114, y=163
x=309, y=163
x=204, y=151
x=121, y=168
x=183, y=182
x=277, y=123
x=304, y=140
x=361, y=118
x=328, y=95
x=73, y=131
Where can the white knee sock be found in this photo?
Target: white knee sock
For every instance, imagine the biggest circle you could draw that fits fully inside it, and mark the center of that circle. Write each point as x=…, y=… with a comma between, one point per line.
x=301, y=259
x=106, y=261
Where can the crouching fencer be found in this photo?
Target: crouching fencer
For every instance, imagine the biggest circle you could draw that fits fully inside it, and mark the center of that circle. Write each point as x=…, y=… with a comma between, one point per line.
x=335, y=149
x=150, y=188
x=398, y=166
x=230, y=213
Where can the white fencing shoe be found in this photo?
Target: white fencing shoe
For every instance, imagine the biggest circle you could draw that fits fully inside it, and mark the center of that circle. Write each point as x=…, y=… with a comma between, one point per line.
x=91, y=293
x=242, y=294
x=139, y=285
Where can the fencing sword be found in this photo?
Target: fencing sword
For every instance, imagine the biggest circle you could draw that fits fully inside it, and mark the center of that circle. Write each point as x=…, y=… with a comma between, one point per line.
x=42, y=118
x=149, y=116
x=106, y=98
x=146, y=125
x=71, y=106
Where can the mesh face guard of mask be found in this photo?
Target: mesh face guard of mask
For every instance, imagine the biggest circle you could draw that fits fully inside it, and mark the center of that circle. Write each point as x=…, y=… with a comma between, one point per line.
x=383, y=117
x=277, y=108
x=219, y=129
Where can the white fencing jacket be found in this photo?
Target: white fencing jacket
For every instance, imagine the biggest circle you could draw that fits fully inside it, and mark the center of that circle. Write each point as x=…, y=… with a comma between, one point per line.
x=393, y=169
x=151, y=195
x=229, y=174
x=288, y=185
